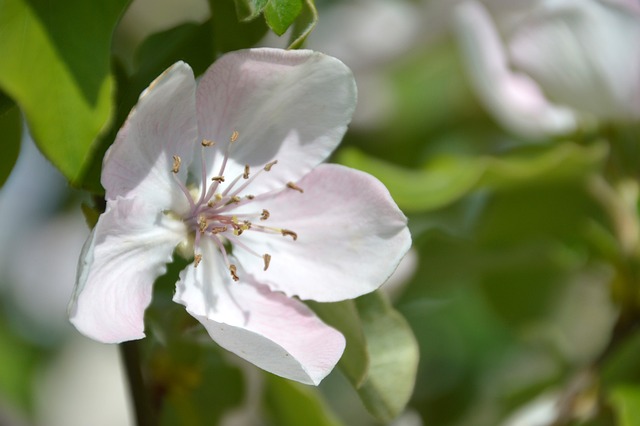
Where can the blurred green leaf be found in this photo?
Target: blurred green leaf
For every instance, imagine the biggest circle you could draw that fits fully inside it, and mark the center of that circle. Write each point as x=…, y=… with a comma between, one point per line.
x=280, y=14
x=10, y=129
x=344, y=317
x=304, y=24
x=5, y=103
x=19, y=363
x=55, y=64
x=292, y=404
x=393, y=352
x=445, y=179
x=556, y=163
x=625, y=400
x=248, y=10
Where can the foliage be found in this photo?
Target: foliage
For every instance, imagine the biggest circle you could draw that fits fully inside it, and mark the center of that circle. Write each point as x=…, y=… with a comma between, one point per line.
x=528, y=250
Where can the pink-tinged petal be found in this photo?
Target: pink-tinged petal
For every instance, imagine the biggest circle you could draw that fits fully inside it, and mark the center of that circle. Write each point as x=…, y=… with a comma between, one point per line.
x=584, y=52
x=515, y=99
x=276, y=333
x=127, y=250
x=350, y=236
x=163, y=124
x=290, y=106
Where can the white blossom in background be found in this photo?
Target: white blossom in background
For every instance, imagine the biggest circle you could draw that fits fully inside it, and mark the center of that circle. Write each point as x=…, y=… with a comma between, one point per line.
x=549, y=67
x=542, y=411
x=368, y=36
x=228, y=172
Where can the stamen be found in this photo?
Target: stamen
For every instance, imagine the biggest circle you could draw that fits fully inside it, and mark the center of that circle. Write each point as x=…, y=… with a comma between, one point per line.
x=267, y=260
x=245, y=175
x=177, y=161
x=184, y=190
x=202, y=223
x=218, y=179
x=265, y=215
x=233, y=200
x=295, y=187
x=268, y=166
x=250, y=197
x=286, y=232
x=196, y=260
x=234, y=136
x=218, y=229
x=234, y=270
x=207, y=143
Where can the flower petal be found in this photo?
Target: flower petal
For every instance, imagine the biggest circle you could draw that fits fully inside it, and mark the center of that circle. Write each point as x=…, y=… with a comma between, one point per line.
x=514, y=98
x=163, y=124
x=277, y=334
x=290, y=106
x=585, y=53
x=126, y=252
x=350, y=236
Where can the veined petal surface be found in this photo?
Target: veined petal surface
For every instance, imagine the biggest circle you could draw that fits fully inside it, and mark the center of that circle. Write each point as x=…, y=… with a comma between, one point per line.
x=127, y=250
x=290, y=106
x=163, y=124
x=274, y=332
x=350, y=236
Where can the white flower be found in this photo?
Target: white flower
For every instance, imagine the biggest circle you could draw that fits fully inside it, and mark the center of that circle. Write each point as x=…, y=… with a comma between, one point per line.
x=545, y=67
x=229, y=172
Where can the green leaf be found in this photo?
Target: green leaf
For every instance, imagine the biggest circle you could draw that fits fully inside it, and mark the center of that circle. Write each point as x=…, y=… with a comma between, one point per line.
x=55, y=65
x=248, y=10
x=189, y=42
x=280, y=14
x=11, y=130
x=445, y=179
x=5, y=103
x=393, y=351
x=625, y=400
x=344, y=317
x=228, y=32
x=304, y=24
x=563, y=161
x=292, y=404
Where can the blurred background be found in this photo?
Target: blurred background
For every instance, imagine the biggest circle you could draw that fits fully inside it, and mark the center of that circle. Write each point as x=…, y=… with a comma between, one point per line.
x=507, y=131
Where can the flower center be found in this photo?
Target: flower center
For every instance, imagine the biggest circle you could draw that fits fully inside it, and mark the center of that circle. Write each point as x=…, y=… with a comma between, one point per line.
x=211, y=214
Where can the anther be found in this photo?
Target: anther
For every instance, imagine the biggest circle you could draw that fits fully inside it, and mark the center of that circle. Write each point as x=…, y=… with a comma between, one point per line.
x=234, y=136
x=295, y=187
x=207, y=142
x=218, y=179
x=202, y=223
x=286, y=232
x=196, y=260
x=176, y=164
x=265, y=215
x=268, y=166
x=250, y=197
x=234, y=199
x=218, y=229
x=234, y=270
x=245, y=175
x=267, y=259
